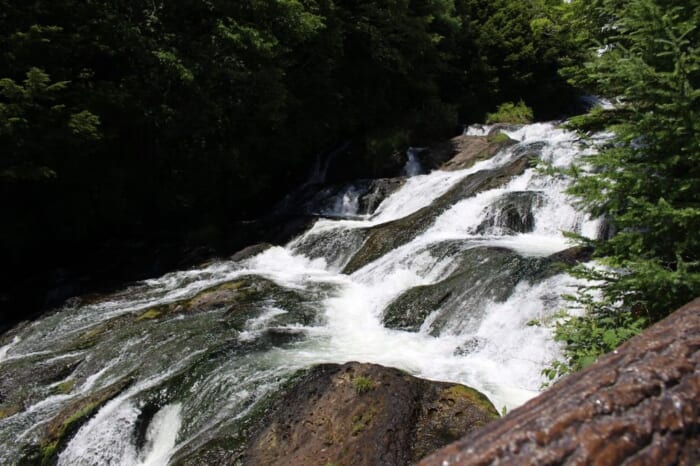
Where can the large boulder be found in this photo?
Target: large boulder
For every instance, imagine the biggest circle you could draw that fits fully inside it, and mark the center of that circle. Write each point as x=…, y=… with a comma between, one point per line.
x=513, y=213
x=464, y=151
x=364, y=414
x=637, y=405
x=479, y=275
x=482, y=274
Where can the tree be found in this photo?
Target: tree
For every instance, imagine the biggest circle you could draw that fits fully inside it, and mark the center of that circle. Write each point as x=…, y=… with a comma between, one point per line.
x=646, y=182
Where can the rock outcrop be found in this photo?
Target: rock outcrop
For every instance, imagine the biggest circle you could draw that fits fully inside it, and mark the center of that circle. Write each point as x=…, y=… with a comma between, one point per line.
x=639, y=405
x=464, y=151
x=364, y=414
x=481, y=275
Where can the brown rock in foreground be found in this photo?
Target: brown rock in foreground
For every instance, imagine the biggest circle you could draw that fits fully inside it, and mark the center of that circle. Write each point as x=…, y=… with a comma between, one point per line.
x=364, y=414
x=639, y=405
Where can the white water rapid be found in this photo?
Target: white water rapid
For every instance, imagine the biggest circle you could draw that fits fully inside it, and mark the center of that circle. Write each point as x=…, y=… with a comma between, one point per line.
x=160, y=380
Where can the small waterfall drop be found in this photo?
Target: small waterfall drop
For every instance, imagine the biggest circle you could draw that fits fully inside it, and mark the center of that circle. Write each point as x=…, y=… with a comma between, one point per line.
x=173, y=363
x=413, y=166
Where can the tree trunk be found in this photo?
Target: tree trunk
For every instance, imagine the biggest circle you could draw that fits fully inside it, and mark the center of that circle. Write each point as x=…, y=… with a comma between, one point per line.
x=639, y=405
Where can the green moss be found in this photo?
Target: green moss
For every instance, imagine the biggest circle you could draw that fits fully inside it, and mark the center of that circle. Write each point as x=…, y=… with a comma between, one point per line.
x=498, y=138
x=58, y=438
x=473, y=396
x=362, y=384
x=48, y=452
x=89, y=338
x=149, y=315
x=10, y=410
x=65, y=387
x=511, y=113
x=361, y=421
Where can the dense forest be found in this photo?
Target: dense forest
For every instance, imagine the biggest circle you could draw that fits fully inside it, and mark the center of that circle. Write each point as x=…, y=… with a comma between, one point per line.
x=125, y=125
x=128, y=125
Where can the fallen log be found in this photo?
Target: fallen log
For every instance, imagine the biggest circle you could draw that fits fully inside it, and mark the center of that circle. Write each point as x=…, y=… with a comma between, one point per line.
x=639, y=405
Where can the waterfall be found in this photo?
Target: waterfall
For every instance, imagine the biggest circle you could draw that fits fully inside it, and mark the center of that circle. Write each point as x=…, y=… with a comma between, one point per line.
x=441, y=285
x=413, y=166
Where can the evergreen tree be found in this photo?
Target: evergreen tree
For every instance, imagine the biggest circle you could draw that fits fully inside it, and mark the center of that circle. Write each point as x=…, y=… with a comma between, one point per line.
x=646, y=181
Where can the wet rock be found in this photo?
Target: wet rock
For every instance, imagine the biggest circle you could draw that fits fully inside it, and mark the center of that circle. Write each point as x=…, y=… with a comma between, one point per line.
x=383, y=238
x=482, y=275
x=463, y=151
x=499, y=128
x=359, y=198
x=376, y=192
x=511, y=214
x=250, y=251
x=22, y=385
x=469, y=346
x=572, y=256
x=336, y=246
x=58, y=432
x=637, y=405
x=363, y=414
x=241, y=299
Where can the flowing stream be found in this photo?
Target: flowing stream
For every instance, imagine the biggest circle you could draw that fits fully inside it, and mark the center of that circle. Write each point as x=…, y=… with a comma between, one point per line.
x=167, y=365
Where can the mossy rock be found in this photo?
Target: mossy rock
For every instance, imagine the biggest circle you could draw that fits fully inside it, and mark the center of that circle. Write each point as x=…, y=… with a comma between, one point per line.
x=65, y=387
x=322, y=419
x=92, y=336
x=227, y=446
x=473, y=397
x=462, y=152
x=59, y=431
x=449, y=412
x=23, y=385
x=150, y=314
x=8, y=410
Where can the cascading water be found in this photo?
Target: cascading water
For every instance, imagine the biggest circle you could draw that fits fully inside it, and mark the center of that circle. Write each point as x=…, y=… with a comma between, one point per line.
x=163, y=371
x=413, y=166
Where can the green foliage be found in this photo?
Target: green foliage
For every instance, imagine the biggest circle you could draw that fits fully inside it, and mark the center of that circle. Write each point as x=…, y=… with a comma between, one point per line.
x=646, y=182
x=511, y=113
x=362, y=384
x=362, y=420
x=85, y=124
x=587, y=337
x=126, y=120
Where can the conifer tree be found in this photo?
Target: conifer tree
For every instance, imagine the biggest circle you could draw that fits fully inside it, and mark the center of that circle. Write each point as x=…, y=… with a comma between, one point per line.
x=646, y=181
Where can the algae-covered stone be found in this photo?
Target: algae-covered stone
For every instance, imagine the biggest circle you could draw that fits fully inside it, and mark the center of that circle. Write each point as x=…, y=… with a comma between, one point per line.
x=58, y=432
x=227, y=444
x=22, y=385
x=323, y=419
x=447, y=414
